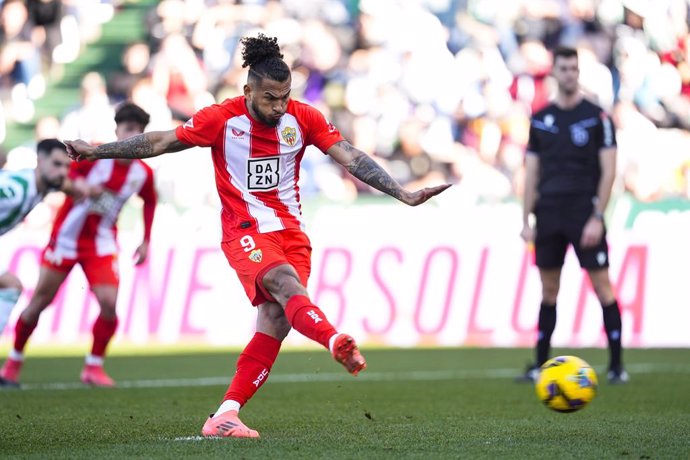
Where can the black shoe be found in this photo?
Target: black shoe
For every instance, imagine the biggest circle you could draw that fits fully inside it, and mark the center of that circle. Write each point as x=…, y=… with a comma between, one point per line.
x=618, y=376
x=530, y=376
x=7, y=384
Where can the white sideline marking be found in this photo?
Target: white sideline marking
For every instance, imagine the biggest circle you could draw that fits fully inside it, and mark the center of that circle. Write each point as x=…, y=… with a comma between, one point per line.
x=195, y=438
x=505, y=373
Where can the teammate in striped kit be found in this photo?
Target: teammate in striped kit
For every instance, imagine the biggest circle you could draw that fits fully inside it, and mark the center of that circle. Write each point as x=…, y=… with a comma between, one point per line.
x=84, y=233
x=20, y=192
x=257, y=142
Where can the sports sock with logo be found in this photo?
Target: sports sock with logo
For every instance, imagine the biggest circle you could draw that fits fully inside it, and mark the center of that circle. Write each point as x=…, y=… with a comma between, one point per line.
x=103, y=332
x=546, y=325
x=253, y=367
x=22, y=332
x=613, y=325
x=308, y=319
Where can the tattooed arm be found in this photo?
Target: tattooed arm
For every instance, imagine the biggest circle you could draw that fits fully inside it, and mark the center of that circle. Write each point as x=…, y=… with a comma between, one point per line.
x=364, y=168
x=145, y=145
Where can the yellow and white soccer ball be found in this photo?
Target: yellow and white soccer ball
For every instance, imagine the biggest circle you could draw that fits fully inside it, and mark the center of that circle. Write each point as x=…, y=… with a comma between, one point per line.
x=566, y=384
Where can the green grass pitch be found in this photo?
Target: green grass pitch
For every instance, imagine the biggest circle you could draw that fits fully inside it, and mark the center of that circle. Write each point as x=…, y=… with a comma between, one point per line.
x=430, y=403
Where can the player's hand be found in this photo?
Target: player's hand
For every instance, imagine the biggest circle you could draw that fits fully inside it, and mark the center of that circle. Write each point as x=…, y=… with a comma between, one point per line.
x=592, y=233
x=528, y=233
x=79, y=150
x=423, y=195
x=141, y=253
x=94, y=191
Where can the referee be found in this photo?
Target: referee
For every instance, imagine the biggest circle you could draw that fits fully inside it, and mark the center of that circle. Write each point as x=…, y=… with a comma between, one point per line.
x=570, y=168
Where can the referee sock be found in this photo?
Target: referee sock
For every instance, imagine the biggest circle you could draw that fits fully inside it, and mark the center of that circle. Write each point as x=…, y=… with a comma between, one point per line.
x=308, y=319
x=613, y=326
x=253, y=367
x=546, y=325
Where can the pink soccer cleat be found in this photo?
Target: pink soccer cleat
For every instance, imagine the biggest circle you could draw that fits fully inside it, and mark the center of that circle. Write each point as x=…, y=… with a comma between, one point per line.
x=96, y=376
x=229, y=425
x=10, y=372
x=345, y=351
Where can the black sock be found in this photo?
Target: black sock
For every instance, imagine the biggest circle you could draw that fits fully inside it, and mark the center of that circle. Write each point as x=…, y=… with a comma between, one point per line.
x=612, y=325
x=547, y=323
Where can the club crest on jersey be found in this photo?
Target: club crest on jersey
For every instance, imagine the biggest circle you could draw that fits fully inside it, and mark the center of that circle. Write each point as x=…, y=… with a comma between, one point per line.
x=289, y=135
x=579, y=135
x=256, y=255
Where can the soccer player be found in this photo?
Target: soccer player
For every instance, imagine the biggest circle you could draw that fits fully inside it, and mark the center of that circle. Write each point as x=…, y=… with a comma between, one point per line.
x=84, y=233
x=570, y=168
x=257, y=142
x=20, y=192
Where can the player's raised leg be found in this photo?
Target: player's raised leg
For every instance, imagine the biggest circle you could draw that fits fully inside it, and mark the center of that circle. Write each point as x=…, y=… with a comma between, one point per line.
x=103, y=330
x=253, y=368
x=283, y=283
x=49, y=281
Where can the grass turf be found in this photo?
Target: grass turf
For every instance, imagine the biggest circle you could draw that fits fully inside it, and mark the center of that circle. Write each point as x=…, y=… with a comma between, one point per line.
x=441, y=403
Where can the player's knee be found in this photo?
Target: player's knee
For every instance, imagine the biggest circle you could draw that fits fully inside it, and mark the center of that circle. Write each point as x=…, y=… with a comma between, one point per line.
x=282, y=282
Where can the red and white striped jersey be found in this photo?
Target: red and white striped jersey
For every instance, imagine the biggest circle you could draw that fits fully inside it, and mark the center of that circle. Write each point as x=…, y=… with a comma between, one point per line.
x=89, y=226
x=257, y=166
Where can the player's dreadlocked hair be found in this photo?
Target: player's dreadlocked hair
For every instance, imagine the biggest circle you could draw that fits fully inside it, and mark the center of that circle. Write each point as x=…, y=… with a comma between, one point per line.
x=263, y=57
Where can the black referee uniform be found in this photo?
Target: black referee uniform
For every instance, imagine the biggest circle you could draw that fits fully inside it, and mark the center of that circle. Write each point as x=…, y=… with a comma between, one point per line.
x=567, y=143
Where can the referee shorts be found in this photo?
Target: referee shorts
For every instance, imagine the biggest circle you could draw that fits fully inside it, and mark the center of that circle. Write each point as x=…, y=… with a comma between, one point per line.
x=557, y=227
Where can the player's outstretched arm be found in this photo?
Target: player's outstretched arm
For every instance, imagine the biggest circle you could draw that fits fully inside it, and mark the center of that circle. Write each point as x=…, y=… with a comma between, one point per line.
x=364, y=168
x=145, y=145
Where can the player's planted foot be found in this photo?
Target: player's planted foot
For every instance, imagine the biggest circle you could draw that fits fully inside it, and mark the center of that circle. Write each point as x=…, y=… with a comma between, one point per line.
x=96, y=376
x=345, y=351
x=229, y=425
x=10, y=372
x=618, y=376
x=530, y=376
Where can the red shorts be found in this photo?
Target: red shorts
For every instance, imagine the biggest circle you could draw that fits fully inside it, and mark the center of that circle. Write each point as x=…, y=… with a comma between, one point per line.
x=253, y=254
x=98, y=269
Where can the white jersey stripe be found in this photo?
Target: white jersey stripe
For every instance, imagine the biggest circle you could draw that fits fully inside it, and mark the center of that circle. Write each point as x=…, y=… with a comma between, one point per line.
x=237, y=152
x=288, y=193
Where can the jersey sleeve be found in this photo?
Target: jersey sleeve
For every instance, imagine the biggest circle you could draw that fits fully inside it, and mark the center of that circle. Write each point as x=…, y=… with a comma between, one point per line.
x=203, y=128
x=533, y=141
x=80, y=168
x=320, y=132
x=607, y=131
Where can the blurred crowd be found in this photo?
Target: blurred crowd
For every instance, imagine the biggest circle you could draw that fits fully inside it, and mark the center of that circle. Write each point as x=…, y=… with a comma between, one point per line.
x=437, y=90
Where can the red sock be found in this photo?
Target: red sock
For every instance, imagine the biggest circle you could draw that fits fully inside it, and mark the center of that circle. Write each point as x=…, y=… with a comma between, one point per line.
x=103, y=331
x=308, y=319
x=253, y=367
x=22, y=332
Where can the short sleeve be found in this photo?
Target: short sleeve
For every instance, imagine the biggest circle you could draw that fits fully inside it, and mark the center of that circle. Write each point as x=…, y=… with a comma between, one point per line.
x=533, y=141
x=320, y=132
x=203, y=128
x=80, y=168
x=608, y=131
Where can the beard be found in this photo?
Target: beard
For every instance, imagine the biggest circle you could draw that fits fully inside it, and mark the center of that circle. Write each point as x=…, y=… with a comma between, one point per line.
x=264, y=119
x=54, y=184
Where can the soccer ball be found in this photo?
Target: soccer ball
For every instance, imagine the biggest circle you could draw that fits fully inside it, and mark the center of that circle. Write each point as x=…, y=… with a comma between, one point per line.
x=566, y=384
